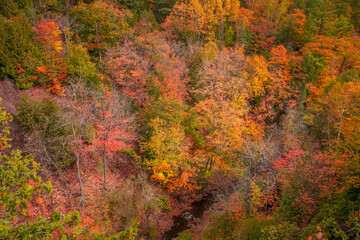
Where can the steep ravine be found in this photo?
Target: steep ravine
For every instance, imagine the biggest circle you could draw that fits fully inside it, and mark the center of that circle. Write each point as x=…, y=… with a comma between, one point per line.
x=184, y=220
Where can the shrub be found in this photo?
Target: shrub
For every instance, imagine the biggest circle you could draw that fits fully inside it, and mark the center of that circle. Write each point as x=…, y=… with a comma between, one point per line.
x=164, y=204
x=152, y=230
x=136, y=200
x=284, y=230
x=186, y=235
x=222, y=228
x=38, y=113
x=42, y=119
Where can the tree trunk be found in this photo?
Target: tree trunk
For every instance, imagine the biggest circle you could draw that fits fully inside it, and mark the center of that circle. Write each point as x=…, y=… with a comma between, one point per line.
x=79, y=178
x=104, y=163
x=221, y=31
x=98, y=41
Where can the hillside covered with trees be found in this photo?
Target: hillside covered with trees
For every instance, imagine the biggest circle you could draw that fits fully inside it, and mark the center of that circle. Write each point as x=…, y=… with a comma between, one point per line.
x=118, y=116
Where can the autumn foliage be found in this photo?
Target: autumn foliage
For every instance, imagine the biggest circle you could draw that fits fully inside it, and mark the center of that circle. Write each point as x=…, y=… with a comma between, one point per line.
x=52, y=70
x=151, y=105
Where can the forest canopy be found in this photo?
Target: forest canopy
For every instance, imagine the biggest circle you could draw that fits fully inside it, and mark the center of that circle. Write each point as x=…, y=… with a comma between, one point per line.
x=127, y=112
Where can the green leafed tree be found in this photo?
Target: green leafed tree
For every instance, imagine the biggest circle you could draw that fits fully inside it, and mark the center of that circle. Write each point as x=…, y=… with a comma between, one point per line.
x=16, y=50
x=19, y=184
x=81, y=67
x=103, y=25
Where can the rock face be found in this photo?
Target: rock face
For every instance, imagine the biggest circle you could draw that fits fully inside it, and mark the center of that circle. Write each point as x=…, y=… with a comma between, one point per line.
x=188, y=216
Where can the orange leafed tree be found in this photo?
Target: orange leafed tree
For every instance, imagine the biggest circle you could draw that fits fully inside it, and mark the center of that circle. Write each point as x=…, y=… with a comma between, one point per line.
x=147, y=68
x=54, y=70
x=332, y=96
x=270, y=84
x=339, y=54
x=113, y=128
x=204, y=19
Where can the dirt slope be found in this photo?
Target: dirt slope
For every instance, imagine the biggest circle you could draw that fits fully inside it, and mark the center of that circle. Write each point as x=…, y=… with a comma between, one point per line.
x=10, y=95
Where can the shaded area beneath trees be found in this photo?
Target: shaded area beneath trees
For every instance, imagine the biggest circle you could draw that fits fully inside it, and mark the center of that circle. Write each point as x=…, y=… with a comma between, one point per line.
x=186, y=219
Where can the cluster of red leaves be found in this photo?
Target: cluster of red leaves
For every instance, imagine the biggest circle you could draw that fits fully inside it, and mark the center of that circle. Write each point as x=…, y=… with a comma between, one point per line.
x=309, y=179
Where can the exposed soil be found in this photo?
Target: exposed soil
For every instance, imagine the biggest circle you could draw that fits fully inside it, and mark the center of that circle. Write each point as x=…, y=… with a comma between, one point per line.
x=10, y=95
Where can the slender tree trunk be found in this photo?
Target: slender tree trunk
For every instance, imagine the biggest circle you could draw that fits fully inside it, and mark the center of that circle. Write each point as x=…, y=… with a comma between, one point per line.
x=221, y=29
x=247, y=201
x=67, y=46
x=341, y=115
x=74, y=133
x=98, y=41
x=105, y=168
x=267, y=194
x=79, y=178
x=212, y=161
x=207, y=163
x=328, y=130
